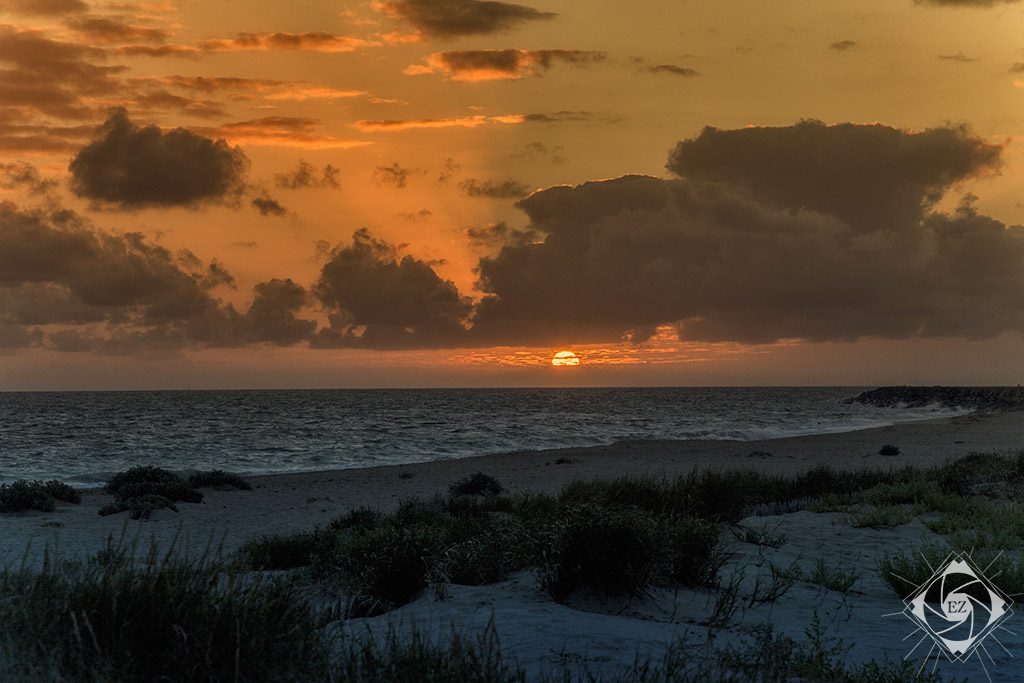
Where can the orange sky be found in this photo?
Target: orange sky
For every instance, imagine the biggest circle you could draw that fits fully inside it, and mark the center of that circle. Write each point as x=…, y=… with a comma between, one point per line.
x=425, y=122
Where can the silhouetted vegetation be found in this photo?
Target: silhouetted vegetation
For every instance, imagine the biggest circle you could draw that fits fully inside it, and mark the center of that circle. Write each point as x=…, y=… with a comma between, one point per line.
x=141, y=491
x=121, y=620
x=36, y=495
x=889, y=449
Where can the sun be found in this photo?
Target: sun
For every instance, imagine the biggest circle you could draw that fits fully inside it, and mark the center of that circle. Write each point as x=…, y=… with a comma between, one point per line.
x=565, y=359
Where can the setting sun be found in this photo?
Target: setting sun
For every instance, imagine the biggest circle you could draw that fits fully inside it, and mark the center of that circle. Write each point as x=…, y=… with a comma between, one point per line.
x=564, y=359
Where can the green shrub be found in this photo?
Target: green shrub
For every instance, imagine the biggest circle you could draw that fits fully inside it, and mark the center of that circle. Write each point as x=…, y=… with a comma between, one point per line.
x=478, y=484
x=611, y=551
x=36, y=495
x=137, y=475
x=62, y=492
x=25, y=495
x=218, y=479
x=138, y=507
x=143, y=490
x=169, y=621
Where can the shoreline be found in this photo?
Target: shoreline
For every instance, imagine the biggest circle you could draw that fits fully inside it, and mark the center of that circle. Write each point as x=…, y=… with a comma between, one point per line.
x=301, y=501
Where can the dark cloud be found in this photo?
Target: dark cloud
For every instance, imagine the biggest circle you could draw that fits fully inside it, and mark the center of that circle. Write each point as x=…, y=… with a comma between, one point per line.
x=23, y=175
x=871, y=176
x=306, y=175
x=505, y=189
x=417, y=216
x=753, y=246
x=1017, y=68
x=43, y=7
x=672, y=69
x=268, y=206
x=449, y=170
x=958, y=57
x=507, y=64
x=494, y=237
x=378, y=298
x=453, y=18
x=273, y=315
x=844, y=45
x=564, y=116
x=554, y=154
x=395, y=175
x=133, y=167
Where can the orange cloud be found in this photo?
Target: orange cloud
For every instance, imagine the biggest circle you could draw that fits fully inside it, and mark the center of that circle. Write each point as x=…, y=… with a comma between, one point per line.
x=317, y=41
x=391, y=125
x=281, y=131
x=493, y=65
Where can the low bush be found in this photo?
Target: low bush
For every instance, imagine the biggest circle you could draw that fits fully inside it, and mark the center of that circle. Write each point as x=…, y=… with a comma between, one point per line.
x=889, y=449
x=36, y=495
x=611, y=551
x=218, y=479
x=25, y=495
x=141, y=491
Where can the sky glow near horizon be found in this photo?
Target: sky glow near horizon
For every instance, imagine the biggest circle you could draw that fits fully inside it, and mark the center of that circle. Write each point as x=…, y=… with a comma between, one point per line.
x=449, y=192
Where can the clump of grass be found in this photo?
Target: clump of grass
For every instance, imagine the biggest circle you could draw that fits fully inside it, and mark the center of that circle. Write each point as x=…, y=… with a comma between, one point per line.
x=614, y=552
x=36, y=495
x=384, y=567
x=416, y=659
x=167, y=620
x=966, y=475
x=691, y=555
x=882, y=517
x=281, y=551
x=889, y=449
x=904, y=572
x=834, y=579
x=477, y=484
x=761, y=536
x=143, y=490
x=218, y=479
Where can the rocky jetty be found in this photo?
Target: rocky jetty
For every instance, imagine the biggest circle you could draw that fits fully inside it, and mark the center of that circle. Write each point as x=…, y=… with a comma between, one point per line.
x=978, y=398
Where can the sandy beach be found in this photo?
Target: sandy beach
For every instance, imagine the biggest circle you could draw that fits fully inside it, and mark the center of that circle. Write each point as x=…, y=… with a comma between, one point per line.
x=293, y=502
x=587, y=633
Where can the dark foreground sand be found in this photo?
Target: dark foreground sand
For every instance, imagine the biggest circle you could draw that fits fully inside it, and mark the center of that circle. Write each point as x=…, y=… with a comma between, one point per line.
x=301, y=501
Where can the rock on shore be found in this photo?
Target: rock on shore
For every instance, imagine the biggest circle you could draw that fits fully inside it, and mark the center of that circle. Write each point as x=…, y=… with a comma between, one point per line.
x=979, y=398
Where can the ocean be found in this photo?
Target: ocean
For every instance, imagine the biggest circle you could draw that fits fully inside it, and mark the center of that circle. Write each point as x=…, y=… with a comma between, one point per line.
x=82, y=437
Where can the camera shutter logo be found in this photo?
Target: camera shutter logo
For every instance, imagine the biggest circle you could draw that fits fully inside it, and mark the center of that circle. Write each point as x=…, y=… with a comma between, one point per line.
x=958, y=608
